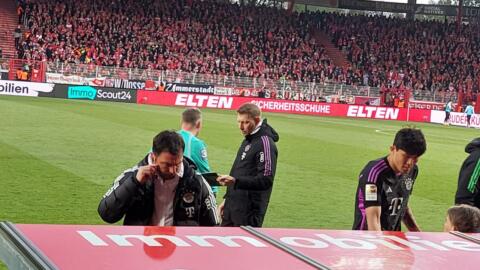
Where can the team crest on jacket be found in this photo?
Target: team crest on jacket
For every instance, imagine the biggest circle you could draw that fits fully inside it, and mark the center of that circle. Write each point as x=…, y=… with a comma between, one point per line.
x=188, y=197
x=408, y=183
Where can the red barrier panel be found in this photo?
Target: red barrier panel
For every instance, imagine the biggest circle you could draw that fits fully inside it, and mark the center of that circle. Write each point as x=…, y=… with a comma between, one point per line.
x=282, y=106
x=190, y=248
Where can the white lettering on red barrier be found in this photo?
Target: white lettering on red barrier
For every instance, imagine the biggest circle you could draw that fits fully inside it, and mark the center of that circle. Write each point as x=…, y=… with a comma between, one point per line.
x=372, y=112
x=192, y=100
x=292, y=106
x=320, y=241
x=282, y=106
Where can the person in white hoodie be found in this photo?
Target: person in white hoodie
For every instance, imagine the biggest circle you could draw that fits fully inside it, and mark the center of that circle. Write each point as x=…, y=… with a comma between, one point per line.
x=469, y=111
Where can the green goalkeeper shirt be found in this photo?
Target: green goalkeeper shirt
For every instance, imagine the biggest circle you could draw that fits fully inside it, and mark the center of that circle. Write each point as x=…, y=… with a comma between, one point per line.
x=196, y=150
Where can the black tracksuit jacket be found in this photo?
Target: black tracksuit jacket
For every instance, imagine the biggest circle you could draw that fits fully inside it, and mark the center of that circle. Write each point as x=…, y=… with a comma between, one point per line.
x=254, y=170
x=468, y=179
x=127, y=197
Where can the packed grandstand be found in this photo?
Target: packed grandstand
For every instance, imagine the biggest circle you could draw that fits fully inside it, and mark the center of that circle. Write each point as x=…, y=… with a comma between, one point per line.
x=224, y=39
x=222, y=55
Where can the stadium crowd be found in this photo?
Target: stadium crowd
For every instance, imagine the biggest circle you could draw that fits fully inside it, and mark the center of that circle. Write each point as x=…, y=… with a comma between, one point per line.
x=192, y=36
x=421, y=55
x=263, y=42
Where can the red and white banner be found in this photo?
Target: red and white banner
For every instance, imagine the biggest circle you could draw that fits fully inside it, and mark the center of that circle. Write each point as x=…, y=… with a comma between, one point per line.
x=426, y=105
x=191, y=248
x=282, y=106
x=224, y=91
x=372, y=101
x=456, y=119
x=74, y=79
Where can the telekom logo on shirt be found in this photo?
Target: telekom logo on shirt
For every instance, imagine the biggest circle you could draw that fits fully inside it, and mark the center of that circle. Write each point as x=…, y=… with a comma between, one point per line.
x=372, y=112
x=203, y=101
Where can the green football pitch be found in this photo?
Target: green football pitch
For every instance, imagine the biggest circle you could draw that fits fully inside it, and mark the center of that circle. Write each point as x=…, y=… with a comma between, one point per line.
x=58, y=157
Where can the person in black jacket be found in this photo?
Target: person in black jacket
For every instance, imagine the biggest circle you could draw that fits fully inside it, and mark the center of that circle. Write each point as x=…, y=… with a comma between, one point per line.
x=162, y=190
x=468, y=184
x=251, y=177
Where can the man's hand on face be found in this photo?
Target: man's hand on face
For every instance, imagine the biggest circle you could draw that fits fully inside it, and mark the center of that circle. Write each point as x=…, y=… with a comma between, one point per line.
x=147, y=172
x=226, y=180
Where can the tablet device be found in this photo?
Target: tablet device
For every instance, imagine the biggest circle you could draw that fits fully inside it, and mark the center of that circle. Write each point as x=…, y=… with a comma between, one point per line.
x=211, y=178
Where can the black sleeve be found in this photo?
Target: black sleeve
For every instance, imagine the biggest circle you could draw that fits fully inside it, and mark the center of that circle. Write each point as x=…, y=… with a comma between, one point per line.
x=467, y=187
x=116, y=201
x=266, y=164
x=208, y=208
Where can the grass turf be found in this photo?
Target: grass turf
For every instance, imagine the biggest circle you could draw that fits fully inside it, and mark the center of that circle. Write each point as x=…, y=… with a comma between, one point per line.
x=58, y=157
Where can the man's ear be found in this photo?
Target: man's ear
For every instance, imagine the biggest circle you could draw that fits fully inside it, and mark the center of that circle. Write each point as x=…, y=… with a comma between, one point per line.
x=256, y=119
x=392, y=148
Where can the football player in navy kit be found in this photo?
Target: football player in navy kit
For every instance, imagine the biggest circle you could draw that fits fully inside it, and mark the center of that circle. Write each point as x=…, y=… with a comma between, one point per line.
x=386, y=184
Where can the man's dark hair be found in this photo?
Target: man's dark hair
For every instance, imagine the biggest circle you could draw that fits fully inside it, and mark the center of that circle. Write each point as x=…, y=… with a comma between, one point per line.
x=465, y=218
x=410, y=140
x=168, y=141
x=191, y=116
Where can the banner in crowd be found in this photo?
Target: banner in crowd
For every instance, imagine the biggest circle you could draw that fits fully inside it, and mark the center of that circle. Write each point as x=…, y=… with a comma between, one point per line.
x=130, y=84
x=224, y=91
x=74, y=79
x=188, y=248
x=92, y=93
x=426, y=105
x=245, y=92
x=376, y=6
x=441, y=10
x=23, y=88
x=456, y=119
x=103, y=82
x=321, y=3
x=238, y=91
x=282, y=106
x=190, y=88
x=363, y=100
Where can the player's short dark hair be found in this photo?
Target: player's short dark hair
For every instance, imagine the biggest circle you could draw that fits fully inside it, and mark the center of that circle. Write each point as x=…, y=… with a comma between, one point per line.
x=168, y=141
x=191, y=116
x=250, y=109
x=465, y=218
x=410, y=140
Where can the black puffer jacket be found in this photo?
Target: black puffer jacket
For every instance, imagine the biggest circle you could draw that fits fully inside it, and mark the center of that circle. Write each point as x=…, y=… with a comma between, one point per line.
x=127, y=197
x=468, y=178
x=254, y=170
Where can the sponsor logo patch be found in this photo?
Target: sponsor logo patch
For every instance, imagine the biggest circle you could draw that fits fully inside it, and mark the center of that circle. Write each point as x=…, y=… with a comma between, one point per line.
x=370, y=192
